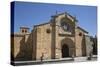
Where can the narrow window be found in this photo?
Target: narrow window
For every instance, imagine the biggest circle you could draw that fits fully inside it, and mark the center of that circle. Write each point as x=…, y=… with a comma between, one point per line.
x=48, y=30
x=80, y=34
x=22, y=31
x=25, y=31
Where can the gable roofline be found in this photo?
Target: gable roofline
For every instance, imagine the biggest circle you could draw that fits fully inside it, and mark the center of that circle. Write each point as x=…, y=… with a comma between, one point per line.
x=82, y=29
x=62, y=14
x=53, y=16
x=42, y=24
x=65, y=14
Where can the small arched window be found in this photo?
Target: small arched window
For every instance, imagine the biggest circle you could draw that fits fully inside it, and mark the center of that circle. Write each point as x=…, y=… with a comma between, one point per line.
x=25, y=31
x=80, y=34
x=22, y=31
x=48, y=30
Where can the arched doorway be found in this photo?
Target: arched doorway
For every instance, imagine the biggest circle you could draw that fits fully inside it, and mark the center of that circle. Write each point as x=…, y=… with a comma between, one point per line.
x=65, y=51
x=67, y=48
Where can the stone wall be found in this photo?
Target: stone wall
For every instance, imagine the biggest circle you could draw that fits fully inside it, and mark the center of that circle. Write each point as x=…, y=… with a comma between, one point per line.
x=80, y=42
x=16, y=45
x=59, y=30
x=43, y=45
x=45, y=41
x=15, y=42
x=20, y=46
x=89, y=45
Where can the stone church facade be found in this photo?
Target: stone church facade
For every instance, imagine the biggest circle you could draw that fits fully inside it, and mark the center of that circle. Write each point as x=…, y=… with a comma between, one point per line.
x=61, y=37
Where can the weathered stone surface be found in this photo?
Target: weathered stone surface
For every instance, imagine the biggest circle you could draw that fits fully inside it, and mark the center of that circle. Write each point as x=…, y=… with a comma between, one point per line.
x=46, y=40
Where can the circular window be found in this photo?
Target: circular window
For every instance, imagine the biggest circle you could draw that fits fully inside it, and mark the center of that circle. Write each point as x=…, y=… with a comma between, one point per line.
x=80, y=34
x=48, y=30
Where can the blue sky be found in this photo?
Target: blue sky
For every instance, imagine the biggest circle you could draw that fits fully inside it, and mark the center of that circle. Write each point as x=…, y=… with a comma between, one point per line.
x=30, y=14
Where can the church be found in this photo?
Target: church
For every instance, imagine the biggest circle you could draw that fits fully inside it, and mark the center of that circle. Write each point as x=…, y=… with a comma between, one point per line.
x=61, y=37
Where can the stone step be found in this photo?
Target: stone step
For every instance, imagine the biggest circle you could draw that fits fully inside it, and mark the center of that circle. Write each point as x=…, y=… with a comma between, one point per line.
x=80, y=59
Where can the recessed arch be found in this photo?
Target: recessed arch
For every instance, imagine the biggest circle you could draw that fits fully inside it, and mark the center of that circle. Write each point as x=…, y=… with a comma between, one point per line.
x=65, y=51
x=67, y=47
